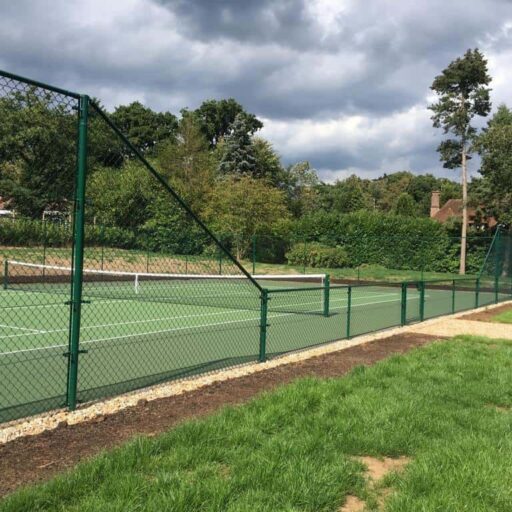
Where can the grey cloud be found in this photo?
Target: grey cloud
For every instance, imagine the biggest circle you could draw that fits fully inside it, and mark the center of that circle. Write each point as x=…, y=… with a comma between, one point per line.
x=276, y=57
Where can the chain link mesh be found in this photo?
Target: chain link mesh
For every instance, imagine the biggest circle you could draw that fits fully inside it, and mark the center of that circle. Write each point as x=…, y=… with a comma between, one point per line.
x=162, y=298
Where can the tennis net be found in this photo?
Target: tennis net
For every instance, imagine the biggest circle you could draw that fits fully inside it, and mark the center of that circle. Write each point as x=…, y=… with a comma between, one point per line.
x=215, y=290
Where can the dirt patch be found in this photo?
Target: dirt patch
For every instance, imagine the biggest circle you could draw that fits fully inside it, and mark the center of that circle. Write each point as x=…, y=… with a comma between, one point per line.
x=376, y=470
x=498, y=408
x=353, y=504
x=37, y=458
x=379, y=468
x=488, y=314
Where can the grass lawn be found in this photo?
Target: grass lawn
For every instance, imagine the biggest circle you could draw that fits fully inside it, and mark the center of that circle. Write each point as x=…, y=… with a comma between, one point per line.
x=505, y=317
x=445, y=406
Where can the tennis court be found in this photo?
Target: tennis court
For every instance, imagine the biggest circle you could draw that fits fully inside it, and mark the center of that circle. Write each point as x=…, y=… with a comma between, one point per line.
x=141, y=329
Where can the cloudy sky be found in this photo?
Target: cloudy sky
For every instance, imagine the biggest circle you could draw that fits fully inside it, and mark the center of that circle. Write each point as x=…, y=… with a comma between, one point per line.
x=341, y=83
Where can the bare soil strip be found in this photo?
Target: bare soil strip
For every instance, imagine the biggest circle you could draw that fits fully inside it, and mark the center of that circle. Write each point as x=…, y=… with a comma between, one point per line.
x=39, y=457
x=488, y=314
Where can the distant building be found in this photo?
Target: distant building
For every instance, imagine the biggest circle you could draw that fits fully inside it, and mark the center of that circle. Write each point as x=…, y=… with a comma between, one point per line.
x=453, y=209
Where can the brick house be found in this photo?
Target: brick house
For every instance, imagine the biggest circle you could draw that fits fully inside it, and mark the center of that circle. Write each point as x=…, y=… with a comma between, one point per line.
x=453, y=209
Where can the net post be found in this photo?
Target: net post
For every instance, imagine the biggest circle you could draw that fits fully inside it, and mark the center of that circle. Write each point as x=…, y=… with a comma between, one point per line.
x=78, y=254
x=349, y=310
x=44, y=245
x=477, y=292
x=453, y=296
x=263, y=325
x=5, y=280
x=254, y=254
x=403, y=304
x=326, y=293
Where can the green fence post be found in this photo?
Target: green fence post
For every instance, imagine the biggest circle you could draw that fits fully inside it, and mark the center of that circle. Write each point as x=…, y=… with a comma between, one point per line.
x=477, y=292
x=78, y=255
x=453, y=296
x=5, y=282
x=220, y=262
x=422, y=301
x=254, y=254
x=102, y=242
x=44, y=248
x=349, y=309
x=305, y=257
x=403, y=305
x=497, y=268
x=327, y=286
x=263, y=325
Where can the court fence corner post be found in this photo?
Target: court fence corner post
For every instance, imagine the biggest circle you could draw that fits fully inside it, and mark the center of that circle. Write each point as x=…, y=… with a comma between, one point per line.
x=326, y=292
x=262, y=357
x=403, y=304
x=78, y=255
x=477, y=292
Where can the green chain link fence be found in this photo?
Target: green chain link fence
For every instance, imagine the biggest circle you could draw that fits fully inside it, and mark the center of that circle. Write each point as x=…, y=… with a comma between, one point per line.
x=90, y=311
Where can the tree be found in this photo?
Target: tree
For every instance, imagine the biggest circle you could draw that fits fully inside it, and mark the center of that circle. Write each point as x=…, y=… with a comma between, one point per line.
x=406, y=206
x=462, y=94
x=238, y=152
x=242, y=207
x=189, y=164
x=495, y=148
x=144, y=127
x=268, y=164
x=348, y=195
x=301, y=186
x=121, y=197
x=216, y=117
x=37, y=152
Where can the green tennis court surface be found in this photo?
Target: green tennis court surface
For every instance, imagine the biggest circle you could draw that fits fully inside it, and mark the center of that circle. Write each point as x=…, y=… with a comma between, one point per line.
x=166, y=331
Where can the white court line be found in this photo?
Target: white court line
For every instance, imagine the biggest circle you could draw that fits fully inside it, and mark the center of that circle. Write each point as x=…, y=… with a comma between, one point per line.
x=53, y=331
x=171, y=330
x=22, y=328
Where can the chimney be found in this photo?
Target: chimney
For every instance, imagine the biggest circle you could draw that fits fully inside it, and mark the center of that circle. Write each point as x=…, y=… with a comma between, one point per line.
x=434, y=203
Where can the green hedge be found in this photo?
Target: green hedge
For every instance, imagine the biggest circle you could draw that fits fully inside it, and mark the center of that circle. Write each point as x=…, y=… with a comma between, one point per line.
x=317, y=255
x=393, y=241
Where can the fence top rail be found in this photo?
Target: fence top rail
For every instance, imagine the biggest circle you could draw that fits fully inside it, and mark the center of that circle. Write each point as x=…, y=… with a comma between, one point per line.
x=42, y=85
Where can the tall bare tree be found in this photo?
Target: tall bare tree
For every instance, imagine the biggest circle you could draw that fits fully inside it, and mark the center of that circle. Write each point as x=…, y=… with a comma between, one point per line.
x=462, y=94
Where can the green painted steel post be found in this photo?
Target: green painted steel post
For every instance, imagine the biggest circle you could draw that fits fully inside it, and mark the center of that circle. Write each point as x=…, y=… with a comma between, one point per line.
x=349, y=310
x=263, y=325
x=78, y=254
x=497, y=269
x=254, y=254
x=44, y=246
x=453, y=296
x=6, y=275
x=422, y=301
x=220, y=262
x=403, y=305
x=305, y=257
x=326, y=291
x=102, y=242
x=477, y=292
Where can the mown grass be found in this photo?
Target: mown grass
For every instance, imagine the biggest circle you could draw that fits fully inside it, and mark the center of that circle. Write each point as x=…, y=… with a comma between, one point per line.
x=504, y=317
x=362, y=273
x=445, y=406
x=144, y=261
